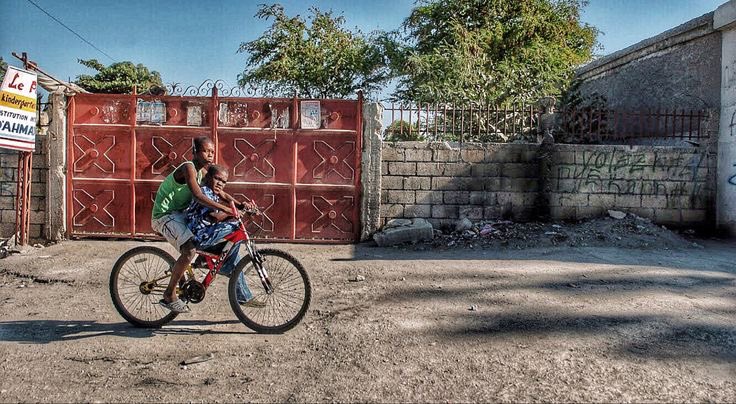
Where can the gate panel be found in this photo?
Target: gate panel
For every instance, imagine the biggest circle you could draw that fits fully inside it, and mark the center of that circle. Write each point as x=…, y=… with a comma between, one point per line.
x=325, y=214
x=275, y=203
x=160, y=150
x=326, y=158
x=100, y=207
x=256, y=156
x=306, y=182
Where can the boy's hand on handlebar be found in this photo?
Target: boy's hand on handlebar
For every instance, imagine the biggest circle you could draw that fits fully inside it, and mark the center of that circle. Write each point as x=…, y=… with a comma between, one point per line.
x=250, y=208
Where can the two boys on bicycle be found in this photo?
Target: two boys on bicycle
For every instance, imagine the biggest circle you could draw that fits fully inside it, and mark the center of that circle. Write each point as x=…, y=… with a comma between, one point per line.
x=203, y=224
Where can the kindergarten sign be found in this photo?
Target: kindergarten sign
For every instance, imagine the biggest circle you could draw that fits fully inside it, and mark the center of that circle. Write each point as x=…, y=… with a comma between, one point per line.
x=18, y=110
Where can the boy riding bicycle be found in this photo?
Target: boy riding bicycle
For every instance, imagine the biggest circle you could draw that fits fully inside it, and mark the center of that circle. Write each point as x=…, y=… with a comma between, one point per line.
x=210, y=227
x=173, y=196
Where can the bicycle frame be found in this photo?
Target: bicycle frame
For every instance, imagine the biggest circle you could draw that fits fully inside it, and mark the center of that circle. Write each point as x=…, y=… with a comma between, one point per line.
x=215, y=261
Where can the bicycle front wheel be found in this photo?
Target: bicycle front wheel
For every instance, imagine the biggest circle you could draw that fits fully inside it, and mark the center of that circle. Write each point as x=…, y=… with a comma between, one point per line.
x=280, y=310
x=137, y=283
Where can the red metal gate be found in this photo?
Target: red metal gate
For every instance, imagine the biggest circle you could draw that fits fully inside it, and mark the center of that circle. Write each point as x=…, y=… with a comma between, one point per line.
x=306, y=181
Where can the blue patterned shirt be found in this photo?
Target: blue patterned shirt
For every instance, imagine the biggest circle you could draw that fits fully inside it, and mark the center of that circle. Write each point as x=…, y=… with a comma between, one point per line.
x=198, y=217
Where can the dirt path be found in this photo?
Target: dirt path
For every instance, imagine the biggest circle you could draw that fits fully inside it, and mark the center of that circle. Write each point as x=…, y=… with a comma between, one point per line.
x=546, y=324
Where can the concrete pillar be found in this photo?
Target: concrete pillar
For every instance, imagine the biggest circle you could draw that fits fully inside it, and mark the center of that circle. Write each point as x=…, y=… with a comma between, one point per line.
x=370, y=174
x=724, y=20
x=56, y=160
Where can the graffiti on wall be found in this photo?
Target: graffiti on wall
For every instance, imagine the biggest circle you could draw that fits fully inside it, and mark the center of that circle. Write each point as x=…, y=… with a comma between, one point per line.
x=668, y=174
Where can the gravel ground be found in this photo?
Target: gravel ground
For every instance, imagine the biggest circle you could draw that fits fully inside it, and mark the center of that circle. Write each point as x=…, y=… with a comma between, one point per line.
x=430, y=322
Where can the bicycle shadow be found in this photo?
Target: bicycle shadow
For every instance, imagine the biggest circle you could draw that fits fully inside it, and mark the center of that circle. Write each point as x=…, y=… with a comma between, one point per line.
x=49, y=331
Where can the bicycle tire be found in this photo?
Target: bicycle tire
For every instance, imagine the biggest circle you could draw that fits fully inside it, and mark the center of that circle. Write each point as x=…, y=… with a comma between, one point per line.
x=292, y=292
x=139, y=308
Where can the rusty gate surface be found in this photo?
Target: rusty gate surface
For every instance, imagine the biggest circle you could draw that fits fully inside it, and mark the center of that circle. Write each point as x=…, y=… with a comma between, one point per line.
x=303, y=172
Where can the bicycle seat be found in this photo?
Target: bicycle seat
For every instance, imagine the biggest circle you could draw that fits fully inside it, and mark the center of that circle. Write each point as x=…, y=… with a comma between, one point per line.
x=215, y=249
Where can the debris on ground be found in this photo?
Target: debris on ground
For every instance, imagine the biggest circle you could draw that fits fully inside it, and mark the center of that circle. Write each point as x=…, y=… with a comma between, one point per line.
x=616, y=229
x=399, y=231
x=197, y=359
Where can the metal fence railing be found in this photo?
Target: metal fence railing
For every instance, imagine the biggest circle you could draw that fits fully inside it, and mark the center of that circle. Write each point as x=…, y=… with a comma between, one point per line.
x=455, y=122
x=488, y=123
x=622, y=126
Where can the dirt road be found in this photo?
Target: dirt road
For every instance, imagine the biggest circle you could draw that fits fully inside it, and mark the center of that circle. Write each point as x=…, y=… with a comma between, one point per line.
x=546, y=324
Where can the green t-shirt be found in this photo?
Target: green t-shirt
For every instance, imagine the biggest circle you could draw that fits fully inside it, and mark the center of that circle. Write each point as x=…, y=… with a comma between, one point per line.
x=172, y=196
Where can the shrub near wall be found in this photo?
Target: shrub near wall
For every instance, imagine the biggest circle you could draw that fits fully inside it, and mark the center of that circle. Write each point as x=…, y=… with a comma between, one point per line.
x=8, y=178
x=671, y=185
x=442, y=183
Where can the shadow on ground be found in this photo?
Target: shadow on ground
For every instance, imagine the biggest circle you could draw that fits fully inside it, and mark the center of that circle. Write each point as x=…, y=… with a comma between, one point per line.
x=49, y=331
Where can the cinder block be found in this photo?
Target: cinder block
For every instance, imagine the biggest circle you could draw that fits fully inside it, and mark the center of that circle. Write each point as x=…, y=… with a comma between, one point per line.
x=417, y=183
x=7, y=188
x=573, y=200
x=6, y=230
x=403, y=197
x=482, y=198
x=458, y=169
x=7, y=174
x=628, y=201
x=384, y=168
x=667, y=216
x=8, y=202
x=423, y=211
x=491, y=212
x=406, y=169
x=429, y=197
x=392, y=153
x=590, y=212
x=492, y=184
x=446, y=156
x=530, y=198
x=605, y=201
x=37, y=216
x=456, y=197
x=35, y=231
x=694, y=216
x=564, y=213
x=392, y=182
x=431, y=169
x=679, y=202
x=520, y=170
x=472, y=155
x=562, y=185
x=38, y=190
x=485, y=170
x=643, y=212
x=391, y=211
x=444, y=211
x=530, y=154
x=524, y=184
x=564, y=157
x=7, y=216
x=450, y=183
x=418, y=155
x=470, y=212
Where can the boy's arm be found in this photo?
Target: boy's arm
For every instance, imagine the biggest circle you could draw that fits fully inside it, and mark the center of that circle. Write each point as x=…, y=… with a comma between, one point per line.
x=240, y=205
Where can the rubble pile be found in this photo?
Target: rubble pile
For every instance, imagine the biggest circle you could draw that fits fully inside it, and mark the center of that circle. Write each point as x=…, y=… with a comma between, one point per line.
x=617, y=229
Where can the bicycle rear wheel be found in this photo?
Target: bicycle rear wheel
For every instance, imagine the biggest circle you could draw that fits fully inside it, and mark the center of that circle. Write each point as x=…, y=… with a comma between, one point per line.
x=137, y=282
x=285, y=307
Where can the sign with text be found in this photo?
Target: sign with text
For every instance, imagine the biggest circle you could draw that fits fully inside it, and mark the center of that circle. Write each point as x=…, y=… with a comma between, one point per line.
x=18, y=110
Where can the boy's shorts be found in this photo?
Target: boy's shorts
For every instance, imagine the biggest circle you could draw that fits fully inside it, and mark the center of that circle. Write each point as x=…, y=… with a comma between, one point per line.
x=174, y=229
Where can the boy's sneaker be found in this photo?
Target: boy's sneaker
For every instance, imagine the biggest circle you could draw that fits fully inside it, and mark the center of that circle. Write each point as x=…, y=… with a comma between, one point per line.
x=253, y=304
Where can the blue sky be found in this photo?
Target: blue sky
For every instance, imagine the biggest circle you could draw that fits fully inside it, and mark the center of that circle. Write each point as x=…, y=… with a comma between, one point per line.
x=189, y=41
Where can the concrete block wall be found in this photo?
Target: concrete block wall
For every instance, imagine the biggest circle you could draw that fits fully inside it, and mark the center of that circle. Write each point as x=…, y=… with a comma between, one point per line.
x=671, y=185
x=8, y=178
x=441, y=183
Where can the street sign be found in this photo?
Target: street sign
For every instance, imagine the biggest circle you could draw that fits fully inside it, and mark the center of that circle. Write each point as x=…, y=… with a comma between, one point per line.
x=18, y=110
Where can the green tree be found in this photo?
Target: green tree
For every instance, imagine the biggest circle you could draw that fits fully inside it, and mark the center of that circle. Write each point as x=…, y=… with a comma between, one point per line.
x=401, y=130
x=119, y=78
x=317, y=58
x=3, y=67
x=491, y=51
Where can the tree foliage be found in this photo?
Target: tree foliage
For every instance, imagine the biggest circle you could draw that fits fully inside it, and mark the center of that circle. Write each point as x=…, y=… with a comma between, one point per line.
x=496, y=51
x=3, y=67
x=118, y=78
x=318, y=58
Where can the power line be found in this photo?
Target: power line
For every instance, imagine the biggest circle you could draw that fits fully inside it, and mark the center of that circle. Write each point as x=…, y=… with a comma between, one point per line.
x=71, y=30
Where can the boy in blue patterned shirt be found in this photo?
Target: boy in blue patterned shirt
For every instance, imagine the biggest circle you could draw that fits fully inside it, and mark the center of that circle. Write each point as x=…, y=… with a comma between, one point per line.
x=209, y=226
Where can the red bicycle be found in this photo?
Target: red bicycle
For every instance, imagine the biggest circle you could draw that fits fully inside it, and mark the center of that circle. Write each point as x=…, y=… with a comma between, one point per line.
x=278, y=281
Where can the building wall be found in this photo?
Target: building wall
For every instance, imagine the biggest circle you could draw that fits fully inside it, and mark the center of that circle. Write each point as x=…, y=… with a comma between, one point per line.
x=679, y=68
x=8, y=178
x=671, y=185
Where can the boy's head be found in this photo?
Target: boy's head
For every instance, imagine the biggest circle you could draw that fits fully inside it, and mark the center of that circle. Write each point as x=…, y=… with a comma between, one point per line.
x=216, y=177
x=203, y=149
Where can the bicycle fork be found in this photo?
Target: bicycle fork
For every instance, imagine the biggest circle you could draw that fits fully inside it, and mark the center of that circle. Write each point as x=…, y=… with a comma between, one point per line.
x=260, y=269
